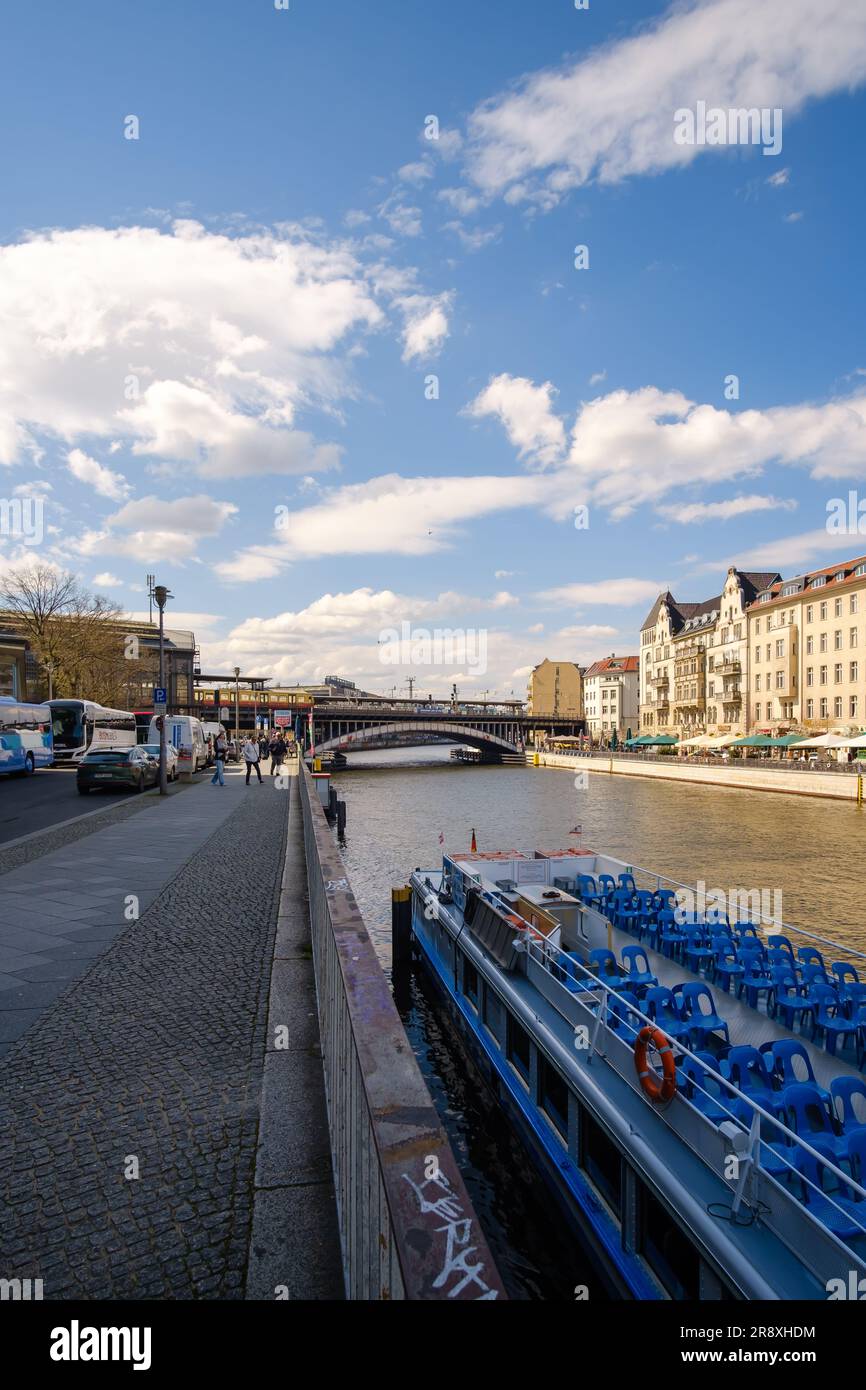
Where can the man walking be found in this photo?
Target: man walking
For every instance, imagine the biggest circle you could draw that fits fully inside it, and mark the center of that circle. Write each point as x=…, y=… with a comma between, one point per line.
x=251, y=757
x=276, y=750
x=220, y=755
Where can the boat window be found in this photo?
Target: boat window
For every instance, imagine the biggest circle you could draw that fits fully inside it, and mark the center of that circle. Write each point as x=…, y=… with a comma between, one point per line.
x=553, y=1095
x=601, y=1160
x=470, y=982
x=519, y=1049
x=668, y=1252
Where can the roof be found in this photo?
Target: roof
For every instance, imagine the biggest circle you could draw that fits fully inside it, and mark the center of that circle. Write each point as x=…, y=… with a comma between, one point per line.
x=548, y=662
x=623, y=664
x=679, y=611
x=846, y=568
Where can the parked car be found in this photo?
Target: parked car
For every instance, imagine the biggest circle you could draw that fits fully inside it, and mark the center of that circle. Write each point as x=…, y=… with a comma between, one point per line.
x=170, y=758
x=233, y=751
x=130, y=768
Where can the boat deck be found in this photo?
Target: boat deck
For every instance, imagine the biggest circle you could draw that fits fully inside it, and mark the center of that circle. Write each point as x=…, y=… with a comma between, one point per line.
x=748, y=1027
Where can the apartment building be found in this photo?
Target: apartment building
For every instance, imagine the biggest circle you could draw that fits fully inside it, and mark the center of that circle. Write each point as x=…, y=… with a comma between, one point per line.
x=695, y=660
x=611, y=697
x=806, y=642
x=556, y=687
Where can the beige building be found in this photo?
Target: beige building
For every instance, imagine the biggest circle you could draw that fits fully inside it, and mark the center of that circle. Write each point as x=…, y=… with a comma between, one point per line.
x=556, y=687
x=694, y=660
x=806, y=643
x=611, y=697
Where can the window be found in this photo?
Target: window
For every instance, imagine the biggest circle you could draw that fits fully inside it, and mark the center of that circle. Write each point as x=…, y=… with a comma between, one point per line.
x=823, y=707
x=837, y=707
x=768, y=651
x=861, y=569
x=837, y=673
x=837, y=608
x=780, y=680
x=780, y=648
x=757, y=711
x=757, y=627
x=852, y=637
x=757, y=687
x=810, y=643
x=822, y=675
x=822, y=611
x=668, y=1252
x=819, y=581
x=852, y=707
x=601, y=1160
x=553, y=1095
x=810, y=675
x=822, y=641
x=810, y=709
x=837, y=640
x=518, y=1050
x=758, y=652
x=470, y=982
x=854, y=669
x=852, y=606
x=810, y=612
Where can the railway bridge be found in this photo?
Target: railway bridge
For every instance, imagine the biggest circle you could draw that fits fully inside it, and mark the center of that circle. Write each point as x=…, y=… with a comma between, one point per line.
x=499, y=731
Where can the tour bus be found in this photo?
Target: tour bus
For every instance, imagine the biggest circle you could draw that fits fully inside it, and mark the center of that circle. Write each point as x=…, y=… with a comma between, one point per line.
x=81, y=725
x=185, y=734
x=25, y=737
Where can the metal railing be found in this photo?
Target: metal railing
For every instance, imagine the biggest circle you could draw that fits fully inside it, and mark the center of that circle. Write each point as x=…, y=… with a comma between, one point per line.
x=673, y=759
x=407, y=1226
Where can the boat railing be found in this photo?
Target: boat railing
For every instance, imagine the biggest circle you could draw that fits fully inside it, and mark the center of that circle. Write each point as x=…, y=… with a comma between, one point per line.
x=759, y=918
x=755, y=1134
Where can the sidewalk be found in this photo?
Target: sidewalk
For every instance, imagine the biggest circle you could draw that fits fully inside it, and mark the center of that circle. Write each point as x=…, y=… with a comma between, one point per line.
x=140, y=1123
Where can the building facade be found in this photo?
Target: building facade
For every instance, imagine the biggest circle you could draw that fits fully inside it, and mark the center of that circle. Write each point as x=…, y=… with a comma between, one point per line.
x=806, y=641
x=556, y=687
x=611, y=697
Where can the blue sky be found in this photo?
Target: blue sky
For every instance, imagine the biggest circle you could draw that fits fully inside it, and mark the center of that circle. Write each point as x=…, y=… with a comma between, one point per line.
x=216, y=339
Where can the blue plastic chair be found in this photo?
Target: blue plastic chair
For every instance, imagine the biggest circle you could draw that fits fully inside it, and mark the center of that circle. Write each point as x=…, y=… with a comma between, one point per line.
x=698, y=954
x=848, y=982
x=664, y=900
x=625, y=910
x=622, y=1017
x=646, y=913
x=671, y=937
x=705, y=1092
x=791, y=1000
x=726, y=967
x=587, y=890
x=782, y=943
x=857, y=1155
x=790, y=1065
x=808, y=955
x=748, y=1072
x=843, y=1089
x=627, y=881
x=845, y=1217
x=808, y=1115
x=661, y=1006
x=637, y=968
x=602, y=963
x=755, y=979
x=606, y=888
x=830, y=1019
x=702, y=1022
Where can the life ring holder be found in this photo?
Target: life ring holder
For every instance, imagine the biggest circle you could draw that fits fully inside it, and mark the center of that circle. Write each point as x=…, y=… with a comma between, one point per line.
x=660, y=1090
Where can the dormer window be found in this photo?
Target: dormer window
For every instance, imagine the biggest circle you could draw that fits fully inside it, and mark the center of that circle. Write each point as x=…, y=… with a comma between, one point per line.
x=818, y=582
x=840, y=575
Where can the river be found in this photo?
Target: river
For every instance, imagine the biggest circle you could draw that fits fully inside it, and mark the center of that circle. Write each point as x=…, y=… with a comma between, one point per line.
x=399, y=803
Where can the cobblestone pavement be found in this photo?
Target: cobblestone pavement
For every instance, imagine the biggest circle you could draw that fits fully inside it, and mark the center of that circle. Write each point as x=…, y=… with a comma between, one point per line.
x=151, y=1062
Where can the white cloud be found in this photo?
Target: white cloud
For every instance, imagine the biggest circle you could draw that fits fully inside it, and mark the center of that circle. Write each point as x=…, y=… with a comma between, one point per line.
x=526, y=412
x=611, y=114
x=794, y=554
x=687, y=513
x=460, y=199
x=610, y=592
x=97, y=476
x=417, y=172
x=402, y=218
x=598, y=377
x=155, y=528
x=780, y=179
x=474, y=238
x=190, y=345
x=426, y=324
x=793, y=217
x=107, y=580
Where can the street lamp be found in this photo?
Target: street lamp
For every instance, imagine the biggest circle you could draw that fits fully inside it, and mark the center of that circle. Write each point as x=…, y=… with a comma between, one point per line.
x=162, y=595
x=50, y=667
x=237, y=705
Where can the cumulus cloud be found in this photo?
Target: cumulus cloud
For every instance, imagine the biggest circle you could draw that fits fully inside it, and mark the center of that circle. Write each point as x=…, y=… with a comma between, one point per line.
x=609, y=592
x=527, y=415
x=426, y=324
x=155, y=528
x=97, y=476
x=610, y=114
x=688, y=513
x=187, y=345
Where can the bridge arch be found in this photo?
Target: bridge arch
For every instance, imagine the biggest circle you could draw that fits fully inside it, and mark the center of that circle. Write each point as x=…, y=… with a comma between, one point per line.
x=446, y=731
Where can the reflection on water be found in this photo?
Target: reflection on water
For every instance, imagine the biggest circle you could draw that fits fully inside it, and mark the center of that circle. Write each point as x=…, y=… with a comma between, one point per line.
x=399, y=802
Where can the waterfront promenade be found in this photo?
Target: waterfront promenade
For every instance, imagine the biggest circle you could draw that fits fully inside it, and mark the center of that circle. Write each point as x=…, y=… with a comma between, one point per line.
x=151, y=1143
x=759, y=775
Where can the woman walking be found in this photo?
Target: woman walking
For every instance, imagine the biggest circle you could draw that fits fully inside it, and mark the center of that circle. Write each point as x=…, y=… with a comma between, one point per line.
x=251, y=758
x=220, y=755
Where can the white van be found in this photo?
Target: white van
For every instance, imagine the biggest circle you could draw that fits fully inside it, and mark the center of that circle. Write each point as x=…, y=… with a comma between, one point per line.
x=212, y=730
x=185, y=734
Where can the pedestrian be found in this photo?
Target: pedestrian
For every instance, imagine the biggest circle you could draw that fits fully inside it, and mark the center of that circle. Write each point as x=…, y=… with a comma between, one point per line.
x=276, y=751
x=220, y=755
x=263, y=745
x=251, y=757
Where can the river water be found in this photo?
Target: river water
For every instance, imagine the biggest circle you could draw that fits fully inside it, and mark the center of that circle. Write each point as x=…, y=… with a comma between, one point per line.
x=399, y=802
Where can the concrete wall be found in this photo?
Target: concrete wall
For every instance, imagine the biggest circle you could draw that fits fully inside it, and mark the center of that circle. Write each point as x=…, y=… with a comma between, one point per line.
x=407, y=1227
x=839, y=786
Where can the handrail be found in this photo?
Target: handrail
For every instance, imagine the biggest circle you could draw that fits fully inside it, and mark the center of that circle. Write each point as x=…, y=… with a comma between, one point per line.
x=545, y=946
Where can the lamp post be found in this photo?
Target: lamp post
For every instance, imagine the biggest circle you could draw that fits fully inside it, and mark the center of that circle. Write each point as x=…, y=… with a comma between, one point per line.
x=49, y=666
x=162, y=595
x=237, y=705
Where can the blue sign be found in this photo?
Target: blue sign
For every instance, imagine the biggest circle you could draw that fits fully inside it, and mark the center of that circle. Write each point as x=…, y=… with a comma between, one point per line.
x=159, y=696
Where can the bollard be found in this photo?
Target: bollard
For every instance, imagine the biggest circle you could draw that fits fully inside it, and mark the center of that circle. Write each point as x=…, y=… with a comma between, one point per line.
x=401, y=926
x=331, y=812
x=859, y=788
x=341, y=817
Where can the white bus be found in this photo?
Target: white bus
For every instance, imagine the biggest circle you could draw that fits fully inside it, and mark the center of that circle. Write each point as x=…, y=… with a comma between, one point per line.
x=81, y=725
x=25, y=737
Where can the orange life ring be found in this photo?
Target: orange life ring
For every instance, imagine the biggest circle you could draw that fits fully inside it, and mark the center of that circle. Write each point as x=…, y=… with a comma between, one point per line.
x=659, y=1090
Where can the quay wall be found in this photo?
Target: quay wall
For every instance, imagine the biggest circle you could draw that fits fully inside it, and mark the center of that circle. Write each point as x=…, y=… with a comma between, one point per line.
x=839, y=786
x=407, y=1226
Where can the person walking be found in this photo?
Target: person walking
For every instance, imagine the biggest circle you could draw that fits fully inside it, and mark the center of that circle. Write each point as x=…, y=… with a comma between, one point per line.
x=276, y=746
x=220, y=755
x=251, y=757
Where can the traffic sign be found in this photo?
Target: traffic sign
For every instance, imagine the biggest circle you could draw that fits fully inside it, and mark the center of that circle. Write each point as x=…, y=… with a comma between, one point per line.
x=159, y=695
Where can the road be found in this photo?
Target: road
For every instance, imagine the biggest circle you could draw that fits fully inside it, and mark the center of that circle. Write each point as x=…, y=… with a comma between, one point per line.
x=49, y=796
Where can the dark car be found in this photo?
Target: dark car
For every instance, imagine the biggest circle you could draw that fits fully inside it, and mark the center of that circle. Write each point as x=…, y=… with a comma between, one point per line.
x=130, y=768
x=170, y=758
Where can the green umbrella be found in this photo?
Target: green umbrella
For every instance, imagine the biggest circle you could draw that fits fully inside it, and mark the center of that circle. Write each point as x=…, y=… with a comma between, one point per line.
x=753, y=741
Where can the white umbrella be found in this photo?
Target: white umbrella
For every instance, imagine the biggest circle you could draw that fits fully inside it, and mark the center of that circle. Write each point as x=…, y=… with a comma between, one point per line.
x=858, y=741
x=822, y=741
x=700, y=741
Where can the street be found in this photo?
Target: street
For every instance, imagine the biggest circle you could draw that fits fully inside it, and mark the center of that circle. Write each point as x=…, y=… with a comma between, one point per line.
x=49, y=796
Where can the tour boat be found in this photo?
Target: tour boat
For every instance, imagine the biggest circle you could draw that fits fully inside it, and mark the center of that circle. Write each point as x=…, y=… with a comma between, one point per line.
x=688, y=1081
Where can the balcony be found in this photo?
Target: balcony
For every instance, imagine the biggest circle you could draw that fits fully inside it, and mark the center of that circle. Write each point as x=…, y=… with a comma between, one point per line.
x=728, y=667
x=732, y=696
x=696, y=702
x=659, y=682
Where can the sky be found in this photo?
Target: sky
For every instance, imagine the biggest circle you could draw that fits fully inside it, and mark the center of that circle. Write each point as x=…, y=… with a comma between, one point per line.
x=402, y=339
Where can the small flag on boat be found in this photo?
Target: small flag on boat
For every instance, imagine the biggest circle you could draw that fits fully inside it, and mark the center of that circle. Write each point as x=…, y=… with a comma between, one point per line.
x=441, y=838
x=473, y=847
x=578, y=830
